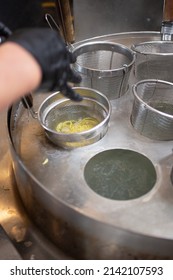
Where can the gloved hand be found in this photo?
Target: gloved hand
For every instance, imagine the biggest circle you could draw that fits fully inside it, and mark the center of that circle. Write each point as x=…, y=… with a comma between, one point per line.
x=51, y=53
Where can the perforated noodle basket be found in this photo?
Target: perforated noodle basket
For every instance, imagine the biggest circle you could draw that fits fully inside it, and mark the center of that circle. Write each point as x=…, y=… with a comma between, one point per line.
x=104, y=66
x=154, y=60
x=152, y=112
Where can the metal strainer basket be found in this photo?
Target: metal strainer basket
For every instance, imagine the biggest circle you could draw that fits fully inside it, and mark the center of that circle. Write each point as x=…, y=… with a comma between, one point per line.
x=57, y=108
x=152, y=112
x=154, y=60
x=104, y=66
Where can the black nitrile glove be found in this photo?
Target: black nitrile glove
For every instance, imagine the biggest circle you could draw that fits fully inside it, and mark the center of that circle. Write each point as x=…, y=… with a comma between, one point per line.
x=52, y=55
x=5, y=32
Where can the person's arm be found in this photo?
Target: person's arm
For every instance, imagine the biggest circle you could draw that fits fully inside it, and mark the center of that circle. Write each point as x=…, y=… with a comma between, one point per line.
x=19, y=73
x=35, y=59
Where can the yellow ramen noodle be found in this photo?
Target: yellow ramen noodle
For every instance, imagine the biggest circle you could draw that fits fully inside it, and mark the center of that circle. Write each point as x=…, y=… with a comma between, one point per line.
x=74, y=126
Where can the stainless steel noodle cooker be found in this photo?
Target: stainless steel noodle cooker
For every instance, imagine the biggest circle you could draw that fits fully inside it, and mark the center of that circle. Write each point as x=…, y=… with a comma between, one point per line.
x=56, y=185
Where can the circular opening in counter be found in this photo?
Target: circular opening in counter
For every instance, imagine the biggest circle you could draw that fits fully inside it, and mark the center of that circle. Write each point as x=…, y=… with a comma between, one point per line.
x=120, y=174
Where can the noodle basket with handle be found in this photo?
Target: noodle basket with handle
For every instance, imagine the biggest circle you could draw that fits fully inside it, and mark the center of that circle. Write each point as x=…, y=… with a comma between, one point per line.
x=154, y=60
x=104, y=66
x=57, y=109
x=152, y=112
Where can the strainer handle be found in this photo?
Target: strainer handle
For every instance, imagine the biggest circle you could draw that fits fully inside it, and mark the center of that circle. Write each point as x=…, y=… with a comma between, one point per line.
x=27, y=102
x=168, y=11
x=49, y=18
x=167, y=22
